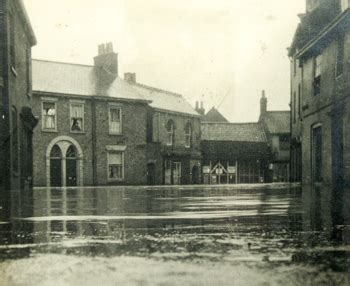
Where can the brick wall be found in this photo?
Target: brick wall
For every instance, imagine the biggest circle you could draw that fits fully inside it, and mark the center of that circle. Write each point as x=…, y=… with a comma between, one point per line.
x=133, y=137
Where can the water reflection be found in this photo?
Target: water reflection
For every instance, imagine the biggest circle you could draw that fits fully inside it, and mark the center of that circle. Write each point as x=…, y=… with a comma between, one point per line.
x=258, y=226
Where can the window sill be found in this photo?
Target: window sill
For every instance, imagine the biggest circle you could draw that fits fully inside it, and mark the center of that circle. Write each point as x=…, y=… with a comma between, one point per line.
x=49, y=130
x=77, y=132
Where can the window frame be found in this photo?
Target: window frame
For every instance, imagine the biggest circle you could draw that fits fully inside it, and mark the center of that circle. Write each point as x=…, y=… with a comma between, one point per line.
x=317, y=73
x=71, y=104
x=43, y=101
x=110, y=152
x=188, y=135
x=170, y=133
x=115, y=106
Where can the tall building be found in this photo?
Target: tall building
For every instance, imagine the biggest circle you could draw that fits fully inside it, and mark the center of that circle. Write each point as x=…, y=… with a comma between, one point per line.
x=16, y=119
x=320, y=103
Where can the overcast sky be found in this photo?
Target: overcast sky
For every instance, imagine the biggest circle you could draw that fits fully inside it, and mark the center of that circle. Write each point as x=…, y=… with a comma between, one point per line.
x=223, y=52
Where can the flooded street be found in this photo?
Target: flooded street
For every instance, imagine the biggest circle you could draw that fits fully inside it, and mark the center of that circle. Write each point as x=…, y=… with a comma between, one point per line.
x=258, y=235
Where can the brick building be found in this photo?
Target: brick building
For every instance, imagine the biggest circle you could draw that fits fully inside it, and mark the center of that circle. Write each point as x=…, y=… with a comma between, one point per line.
x=16, y=119
x=174, y=151
x=276, y=125
x=98, y=129
x=320, y=55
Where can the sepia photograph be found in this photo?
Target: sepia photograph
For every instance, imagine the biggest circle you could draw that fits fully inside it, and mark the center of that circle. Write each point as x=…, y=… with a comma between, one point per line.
x=174, y=142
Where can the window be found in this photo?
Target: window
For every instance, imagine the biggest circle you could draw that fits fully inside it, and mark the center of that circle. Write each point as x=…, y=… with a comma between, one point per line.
x=284, y=142
x=317, y=153
x=115, y=120
x=49, y=118
x=14, y=139
x=188, y=131
x=115, y=166
x=77, y=117
x=340, y=56
x=295, y=65
x=12, y=36
x=170, y=133
x=317, y=75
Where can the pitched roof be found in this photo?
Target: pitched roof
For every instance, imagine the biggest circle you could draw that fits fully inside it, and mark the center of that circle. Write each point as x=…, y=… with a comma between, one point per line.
x=75, y=79
x=276, y=122
x=238, y=132
x=213, y=115
x=165, y=100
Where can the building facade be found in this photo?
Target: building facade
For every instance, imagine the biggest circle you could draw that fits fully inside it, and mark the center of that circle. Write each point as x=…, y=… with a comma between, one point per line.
x=276, y=125
x=98, y=129
x=320, y=53
x=173, y=156
x=16, y=119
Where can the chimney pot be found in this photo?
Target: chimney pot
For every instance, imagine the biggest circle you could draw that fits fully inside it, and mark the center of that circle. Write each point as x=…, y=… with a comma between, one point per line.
x=197, y=105
x=130, y=77
x=101, y=49
x=263, y=94
x=109, y=48
x=201, y=104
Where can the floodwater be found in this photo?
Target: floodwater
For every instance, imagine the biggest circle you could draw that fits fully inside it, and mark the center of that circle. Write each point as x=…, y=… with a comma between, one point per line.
x=241, y=235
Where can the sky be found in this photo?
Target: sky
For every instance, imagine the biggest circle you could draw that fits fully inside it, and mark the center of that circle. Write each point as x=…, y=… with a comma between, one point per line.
x=221, y=52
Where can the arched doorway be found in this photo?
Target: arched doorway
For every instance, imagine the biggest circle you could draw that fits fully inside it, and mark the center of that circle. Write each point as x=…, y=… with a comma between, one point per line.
x=64, y=163
x=195, y=175
x=55, y=166
x=71, y=167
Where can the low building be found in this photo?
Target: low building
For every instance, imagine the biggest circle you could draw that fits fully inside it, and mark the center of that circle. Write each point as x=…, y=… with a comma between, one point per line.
x=277, y=129
x=16, y=119
x=234, y=153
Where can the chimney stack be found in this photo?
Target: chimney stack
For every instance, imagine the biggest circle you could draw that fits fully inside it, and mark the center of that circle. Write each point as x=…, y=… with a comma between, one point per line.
x=130, y=77
x=107, y=59
x=263, y=103
x=200, y=109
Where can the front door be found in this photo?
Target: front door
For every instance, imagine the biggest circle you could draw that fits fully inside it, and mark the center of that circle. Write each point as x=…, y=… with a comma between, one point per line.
x=151, y=174
x=71, y=167
x=56, y=167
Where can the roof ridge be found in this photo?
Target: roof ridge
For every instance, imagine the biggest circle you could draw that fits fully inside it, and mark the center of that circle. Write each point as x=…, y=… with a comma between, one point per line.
x=158, y=89
x=65, y=63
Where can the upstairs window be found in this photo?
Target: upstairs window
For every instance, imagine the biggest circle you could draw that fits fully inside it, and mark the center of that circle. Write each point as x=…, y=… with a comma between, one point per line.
x=12, y=38
x=284, y=141
x=115, y=166
x=188, y=131
x=317, y=75
x=294, y=103
x=77, y=117
x=340, y=56
x=49, y=117
x=115, y=120
x=170, y=133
